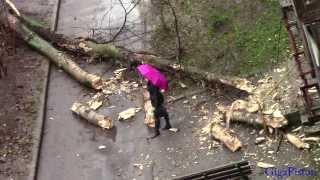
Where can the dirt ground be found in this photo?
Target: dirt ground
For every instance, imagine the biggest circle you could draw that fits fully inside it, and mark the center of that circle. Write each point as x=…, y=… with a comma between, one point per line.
x=19, y=98
x=20, y=90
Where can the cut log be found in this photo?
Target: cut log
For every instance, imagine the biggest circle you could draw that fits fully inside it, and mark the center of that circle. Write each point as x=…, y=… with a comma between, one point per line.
x=226, y=136
x=91, y=116
x=149, y=110
x=61, y=59
x=296, y=141
x=254, y=119
x=248, y=112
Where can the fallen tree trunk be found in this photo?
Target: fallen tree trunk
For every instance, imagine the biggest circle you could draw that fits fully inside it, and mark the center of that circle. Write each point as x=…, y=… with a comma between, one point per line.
x=61, y=59
x=255, y=119
x=91, y=116
x=226, y=136
x=249, y=112
x=97, y=50
x=124, y=55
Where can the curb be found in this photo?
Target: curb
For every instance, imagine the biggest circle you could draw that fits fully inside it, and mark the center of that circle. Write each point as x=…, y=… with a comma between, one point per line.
x=39, y=124
x=38, y=128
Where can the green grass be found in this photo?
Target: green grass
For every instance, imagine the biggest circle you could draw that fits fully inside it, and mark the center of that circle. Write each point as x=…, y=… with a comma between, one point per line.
x=263, y=43
x=260, y=42
x=229, y=38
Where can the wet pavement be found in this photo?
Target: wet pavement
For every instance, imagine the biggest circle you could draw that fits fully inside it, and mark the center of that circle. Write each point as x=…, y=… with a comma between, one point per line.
x=101, y=20
x=70, y=148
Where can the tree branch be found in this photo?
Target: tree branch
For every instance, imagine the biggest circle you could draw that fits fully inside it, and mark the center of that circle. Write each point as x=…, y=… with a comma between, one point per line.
x=125, y=19
x=178, y=38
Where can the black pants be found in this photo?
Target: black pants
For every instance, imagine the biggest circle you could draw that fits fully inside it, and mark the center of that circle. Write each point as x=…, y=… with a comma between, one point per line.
x=160, y=112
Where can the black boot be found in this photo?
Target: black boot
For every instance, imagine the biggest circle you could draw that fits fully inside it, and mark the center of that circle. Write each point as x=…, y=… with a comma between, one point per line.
x=168, y=125
x=156, y=134
x=156, y=128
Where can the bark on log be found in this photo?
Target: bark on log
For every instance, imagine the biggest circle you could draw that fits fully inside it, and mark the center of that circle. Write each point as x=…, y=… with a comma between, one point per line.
x=149, y=110
x=91, y=116
x=254, y=119
x=249, y=112
x=61, y=59
x=109, y=51
x=124, y=55
x=226, y=136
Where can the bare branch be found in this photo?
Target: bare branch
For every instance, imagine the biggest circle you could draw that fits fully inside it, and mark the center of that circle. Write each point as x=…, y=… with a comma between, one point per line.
x=134, y=6
x=123, y=24
x=178, y=39
x=126, y=13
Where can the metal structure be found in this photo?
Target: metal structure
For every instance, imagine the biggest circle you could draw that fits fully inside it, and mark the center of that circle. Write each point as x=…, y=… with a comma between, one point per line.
x=302, y=20
x=236, y=170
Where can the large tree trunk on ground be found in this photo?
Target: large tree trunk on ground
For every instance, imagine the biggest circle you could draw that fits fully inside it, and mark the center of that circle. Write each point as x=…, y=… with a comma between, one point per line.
x=106, y=51
x=59, y=58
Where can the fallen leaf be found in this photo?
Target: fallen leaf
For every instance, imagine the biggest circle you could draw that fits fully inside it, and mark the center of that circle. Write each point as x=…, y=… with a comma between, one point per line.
x=139, y=166
x=182, y=85
x=174, y=130
x=102, y=147
x=260, y=140
x=265, y=165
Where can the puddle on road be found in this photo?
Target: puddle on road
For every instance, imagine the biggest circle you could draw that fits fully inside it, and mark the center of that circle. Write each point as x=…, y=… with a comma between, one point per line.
x=102, y=19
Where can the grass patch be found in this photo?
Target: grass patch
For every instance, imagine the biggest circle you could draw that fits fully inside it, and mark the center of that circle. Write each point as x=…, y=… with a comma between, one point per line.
x=263, y=43
x=243, y=38
x=259, y=41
